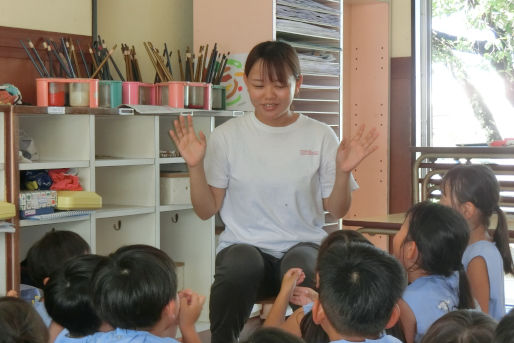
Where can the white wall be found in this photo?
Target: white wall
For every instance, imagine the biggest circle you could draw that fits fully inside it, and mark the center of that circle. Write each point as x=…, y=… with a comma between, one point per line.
x=48, y=15
x=134, y=21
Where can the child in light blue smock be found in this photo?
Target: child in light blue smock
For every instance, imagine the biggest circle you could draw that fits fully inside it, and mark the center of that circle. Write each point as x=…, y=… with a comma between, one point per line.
x=430, y=245
x=473, y=191
x=135, y=291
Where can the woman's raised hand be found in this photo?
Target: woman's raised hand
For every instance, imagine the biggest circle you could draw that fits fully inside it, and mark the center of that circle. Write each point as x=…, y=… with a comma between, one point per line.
x=191, y=147
x=351, y=153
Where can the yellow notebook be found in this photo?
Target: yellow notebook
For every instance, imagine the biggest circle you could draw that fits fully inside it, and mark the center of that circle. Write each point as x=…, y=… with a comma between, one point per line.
x=78, y=200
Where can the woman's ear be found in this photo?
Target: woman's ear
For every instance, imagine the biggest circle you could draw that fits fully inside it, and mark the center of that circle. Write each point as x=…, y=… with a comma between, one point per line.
x=395, y=316
x=298, y=84
x=45, y=280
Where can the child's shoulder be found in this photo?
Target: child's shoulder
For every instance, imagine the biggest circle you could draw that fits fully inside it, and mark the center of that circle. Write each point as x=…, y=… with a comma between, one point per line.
x=484, y=249
x=132, y=336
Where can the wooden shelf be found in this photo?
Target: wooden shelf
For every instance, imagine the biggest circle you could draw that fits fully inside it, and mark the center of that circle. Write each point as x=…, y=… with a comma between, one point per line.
x=110, y=211
x=53, y=165
x=117, y=162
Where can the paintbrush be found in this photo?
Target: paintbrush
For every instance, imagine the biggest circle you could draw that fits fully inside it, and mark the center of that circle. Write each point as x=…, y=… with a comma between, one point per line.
x=32, y=59
x=180, y=67
x=48, y=49
x=222, y=70
x=93, y=58
x=67, y=55
x=43, y=68
x=152, y=59
x=210, y=66
x=104, y=61
x=83, y=59
x=137, y=72
x=160, y=63
x=69, y=44
x=116, y=68
x=57, y=55
x=168, y=60
x=203, y=74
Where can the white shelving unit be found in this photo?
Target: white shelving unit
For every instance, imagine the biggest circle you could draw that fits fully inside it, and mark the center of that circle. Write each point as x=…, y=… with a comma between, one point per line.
x=118, y=157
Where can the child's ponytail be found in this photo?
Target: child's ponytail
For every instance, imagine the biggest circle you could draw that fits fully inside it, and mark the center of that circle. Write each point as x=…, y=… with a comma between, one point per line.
x=465, y=298
x=501, y=239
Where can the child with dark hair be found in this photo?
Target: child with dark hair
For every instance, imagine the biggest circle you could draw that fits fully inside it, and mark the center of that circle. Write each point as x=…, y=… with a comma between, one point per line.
x=68, y=300
x=135, y=291
x=46, y=256
x=504, y=332
x=359, y=289
x=430, y=245
x=461, y=326
x=474, y=192
x=19, y=322
x=300, y=322
x=272, y=335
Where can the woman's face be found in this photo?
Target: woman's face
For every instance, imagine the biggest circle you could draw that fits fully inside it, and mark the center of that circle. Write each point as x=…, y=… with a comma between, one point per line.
x=271, y=98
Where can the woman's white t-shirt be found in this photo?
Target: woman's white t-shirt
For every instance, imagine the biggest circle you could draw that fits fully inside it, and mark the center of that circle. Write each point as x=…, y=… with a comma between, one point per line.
x=275, y=179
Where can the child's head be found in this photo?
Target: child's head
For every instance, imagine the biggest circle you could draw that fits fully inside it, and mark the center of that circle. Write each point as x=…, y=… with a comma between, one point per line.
x=67, y=296
x=473, y=190
x=50, y=252
x=19, y=322
x=272, y=335
x=134, y=287
x=463, y=326
x=359, y=287
x=433, y=238
x=342, y=236
x=505, y=330
x=279, y=61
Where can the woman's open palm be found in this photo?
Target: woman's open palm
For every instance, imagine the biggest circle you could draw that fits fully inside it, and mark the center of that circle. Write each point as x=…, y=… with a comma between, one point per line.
x=191, y=147
x=351, y=153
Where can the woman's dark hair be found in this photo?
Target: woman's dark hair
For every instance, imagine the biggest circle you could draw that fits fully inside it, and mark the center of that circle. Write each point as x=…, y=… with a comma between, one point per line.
x=311, y=332
x=504, y=332
x=272, y=335
x=441, y=235
x=478, y=185
x=68, y=299
x=462, y=326
x=20, y=323
x=279, y=60
x=133, y=286
x=50, y=252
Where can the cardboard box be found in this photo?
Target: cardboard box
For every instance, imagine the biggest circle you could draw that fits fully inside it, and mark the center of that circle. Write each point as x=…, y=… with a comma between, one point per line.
x=175, y=189
x=33, y=200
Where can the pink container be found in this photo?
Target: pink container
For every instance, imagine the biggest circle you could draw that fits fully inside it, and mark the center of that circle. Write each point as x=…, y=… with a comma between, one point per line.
x=171, y=93
x=139, y=93
x=77, y=92
x=198, y=95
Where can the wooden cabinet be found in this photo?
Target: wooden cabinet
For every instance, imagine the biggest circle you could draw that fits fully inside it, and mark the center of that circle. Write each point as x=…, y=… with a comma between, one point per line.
x=119, y=158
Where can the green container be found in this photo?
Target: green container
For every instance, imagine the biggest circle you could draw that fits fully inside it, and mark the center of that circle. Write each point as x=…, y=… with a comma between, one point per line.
x=109, y=93
x=218, y=97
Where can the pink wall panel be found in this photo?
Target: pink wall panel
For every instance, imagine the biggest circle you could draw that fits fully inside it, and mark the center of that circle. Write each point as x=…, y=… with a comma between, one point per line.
x=366, y=99
x=235, y=25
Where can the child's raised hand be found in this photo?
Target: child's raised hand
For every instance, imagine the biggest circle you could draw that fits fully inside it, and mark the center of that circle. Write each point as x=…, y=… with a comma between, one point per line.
x=291, y=278
x=191, y=304
x=303, y=296
x=351, y=153
x=191, y=147
x=12, y=293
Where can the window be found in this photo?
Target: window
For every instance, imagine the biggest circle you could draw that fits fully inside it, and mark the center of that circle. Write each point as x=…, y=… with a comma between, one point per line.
x=464, y=52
